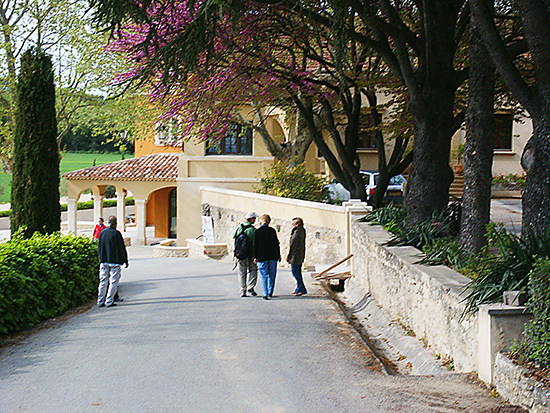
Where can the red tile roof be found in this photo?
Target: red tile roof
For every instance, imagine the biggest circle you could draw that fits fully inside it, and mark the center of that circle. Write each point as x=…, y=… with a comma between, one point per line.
x=155, y=167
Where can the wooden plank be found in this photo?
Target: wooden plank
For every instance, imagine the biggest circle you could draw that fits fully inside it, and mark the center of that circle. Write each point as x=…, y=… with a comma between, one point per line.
x=336, y=277
x=331, y=275
x=333, y=266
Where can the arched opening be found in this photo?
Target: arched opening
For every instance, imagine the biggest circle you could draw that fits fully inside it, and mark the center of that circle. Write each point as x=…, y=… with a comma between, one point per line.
x=160, y=212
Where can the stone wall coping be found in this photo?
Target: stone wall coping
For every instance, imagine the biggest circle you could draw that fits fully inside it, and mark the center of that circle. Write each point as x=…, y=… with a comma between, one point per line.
x=506, y=194
x=379, y=234
x=288, y=201
x=507, y=310
x=450, y=279
x=199, y=242
x=169, y=248
x=169, y=251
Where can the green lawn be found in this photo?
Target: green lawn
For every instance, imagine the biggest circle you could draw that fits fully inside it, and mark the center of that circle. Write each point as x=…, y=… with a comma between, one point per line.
x=70, y=162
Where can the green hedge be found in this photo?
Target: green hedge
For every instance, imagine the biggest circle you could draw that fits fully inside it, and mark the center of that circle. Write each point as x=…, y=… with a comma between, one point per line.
x=43, y=276
x=535, y=345
x=81, y=205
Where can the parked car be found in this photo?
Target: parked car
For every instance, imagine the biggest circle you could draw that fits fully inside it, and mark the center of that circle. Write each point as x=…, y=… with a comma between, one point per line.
x=336, y=193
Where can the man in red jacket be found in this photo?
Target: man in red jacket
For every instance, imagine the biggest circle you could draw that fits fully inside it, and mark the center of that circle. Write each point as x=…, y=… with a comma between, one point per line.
x=100, y=226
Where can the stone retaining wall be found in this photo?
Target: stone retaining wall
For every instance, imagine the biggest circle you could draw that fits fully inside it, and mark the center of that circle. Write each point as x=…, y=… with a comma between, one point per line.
x=512, y=384
x=326, y=225
x=323, y=245
x=199, y=249
x=425, y=300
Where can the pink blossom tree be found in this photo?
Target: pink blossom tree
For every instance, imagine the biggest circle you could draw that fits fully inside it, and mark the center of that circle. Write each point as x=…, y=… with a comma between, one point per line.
x=266, y=58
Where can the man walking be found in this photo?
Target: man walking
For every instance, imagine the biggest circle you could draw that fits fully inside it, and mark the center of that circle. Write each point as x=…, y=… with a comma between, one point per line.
x=248, y=270
x=267, y=254
x=112, y=254
x=297, y=253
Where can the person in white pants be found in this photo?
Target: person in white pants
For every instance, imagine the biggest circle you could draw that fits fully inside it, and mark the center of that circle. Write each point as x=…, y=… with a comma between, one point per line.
x=112, y=254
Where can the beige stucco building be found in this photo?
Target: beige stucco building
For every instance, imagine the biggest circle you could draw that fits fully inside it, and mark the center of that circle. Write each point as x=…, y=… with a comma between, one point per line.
x=165, y=177
x=166, y=174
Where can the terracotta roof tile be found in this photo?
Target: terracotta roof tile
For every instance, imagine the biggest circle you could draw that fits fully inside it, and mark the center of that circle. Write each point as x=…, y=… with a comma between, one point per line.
x=155, y=167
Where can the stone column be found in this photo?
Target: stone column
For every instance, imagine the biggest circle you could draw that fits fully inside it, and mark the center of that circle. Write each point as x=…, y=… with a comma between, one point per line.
x=72, y=215
x=121, y=209
x=98, y=207
x=141, y=221
x=354, y=208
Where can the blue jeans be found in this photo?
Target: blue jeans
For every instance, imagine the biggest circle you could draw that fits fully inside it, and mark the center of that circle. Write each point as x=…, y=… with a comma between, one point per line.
x=297, y=273
x=268, y=271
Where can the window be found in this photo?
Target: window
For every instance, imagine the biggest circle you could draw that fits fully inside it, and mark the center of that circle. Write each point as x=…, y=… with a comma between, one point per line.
x=237, y=141
x=503, y=131
x=367, y=133
x=167, y=133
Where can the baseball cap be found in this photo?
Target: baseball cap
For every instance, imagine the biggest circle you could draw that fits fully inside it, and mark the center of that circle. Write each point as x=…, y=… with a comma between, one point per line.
x=250, y=214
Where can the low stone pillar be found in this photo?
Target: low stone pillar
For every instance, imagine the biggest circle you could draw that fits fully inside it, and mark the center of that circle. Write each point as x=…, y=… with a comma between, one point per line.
x=121, y=209
x=98, y=207
x=354, y=208
x=141, y=221
x=72, y=215
x=499, y=326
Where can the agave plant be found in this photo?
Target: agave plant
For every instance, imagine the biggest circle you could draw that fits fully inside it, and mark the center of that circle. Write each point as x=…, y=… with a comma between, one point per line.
x=506, y=266
x=444, y=224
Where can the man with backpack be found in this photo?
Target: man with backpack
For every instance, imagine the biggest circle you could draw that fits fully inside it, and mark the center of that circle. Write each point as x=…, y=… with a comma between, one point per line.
x=244, y=253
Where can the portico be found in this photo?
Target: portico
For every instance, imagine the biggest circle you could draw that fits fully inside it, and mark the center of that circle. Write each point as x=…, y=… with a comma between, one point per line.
x=143, y=177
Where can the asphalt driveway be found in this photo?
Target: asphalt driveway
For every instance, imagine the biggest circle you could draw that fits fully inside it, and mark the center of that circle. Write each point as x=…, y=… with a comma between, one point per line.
x=184, y=341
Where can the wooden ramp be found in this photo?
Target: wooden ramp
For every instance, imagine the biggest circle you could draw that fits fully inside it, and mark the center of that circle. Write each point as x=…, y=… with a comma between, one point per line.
x=330, y=274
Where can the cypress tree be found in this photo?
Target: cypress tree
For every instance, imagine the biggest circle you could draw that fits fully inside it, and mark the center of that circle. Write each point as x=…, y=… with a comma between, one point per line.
x=35, y=183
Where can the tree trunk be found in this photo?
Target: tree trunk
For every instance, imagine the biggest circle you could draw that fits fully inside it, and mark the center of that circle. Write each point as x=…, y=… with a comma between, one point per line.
x=536, y=162
x=431, y=176
x=535, y=98
x=479, y=145
x=293, y=151
x=399, y=160
x=431, y=105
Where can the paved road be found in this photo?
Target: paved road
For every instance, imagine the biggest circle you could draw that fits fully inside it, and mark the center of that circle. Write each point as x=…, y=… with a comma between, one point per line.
x=184, y=341
x=508, y=213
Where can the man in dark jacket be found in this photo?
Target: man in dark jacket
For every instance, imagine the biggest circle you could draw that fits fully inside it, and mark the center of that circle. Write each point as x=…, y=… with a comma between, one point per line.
x=267, y=253
x=297, y=253
x=112, y=254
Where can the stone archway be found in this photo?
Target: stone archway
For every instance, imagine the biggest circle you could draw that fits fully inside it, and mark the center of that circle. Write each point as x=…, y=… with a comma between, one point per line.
x=141, y=176
x=159, y=211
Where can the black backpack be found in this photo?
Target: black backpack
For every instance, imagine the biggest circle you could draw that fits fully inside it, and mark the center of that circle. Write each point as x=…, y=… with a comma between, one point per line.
x=241, y=248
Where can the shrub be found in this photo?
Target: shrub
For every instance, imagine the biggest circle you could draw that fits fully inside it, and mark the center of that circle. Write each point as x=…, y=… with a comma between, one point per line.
x=288, y=181
x=110, y=192
x=43, y=276
x=392, y=215
x=446, y=251
x=393, y=218
x=510, y=180
x=535, y=345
